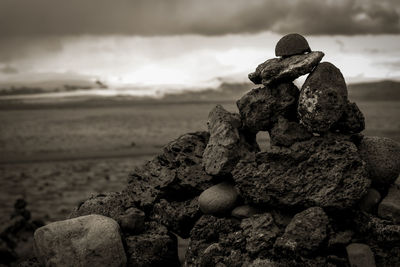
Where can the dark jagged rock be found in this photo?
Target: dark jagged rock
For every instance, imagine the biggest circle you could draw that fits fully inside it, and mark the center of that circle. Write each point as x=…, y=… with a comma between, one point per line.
x=155, y=247
x=389, y=208
x=178, y=217
x=305, y=233
x=288, y=69
x=223, y=234
x=352, y=120
x=323, y=171
x=218, y=199
x=291, y=44
x=177, y=173
x=226, y=145
x=261, y=107
x=323, y=98
x=382, y=156
x=360, y=255
x=370, y=201
x=132, y=221
x=260, y=232
x=286, y=133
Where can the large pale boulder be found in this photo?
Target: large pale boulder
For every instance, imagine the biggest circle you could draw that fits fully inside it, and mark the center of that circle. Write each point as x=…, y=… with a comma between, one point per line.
x=91, y=240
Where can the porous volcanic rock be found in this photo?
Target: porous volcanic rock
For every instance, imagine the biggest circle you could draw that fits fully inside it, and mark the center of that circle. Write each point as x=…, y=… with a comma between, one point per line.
x=261, y=107
x=304, y=234
x=155, y=247
x=323, y=98
x=382, y=156
x=226, y=145
x=218, y=199
x=286, y=133
x=287, y=69
x=292, y=44
x=178, y=216
x=176, y=174
x=323, y=171
x=389, y=208
x=352, y=120
x=91, y=240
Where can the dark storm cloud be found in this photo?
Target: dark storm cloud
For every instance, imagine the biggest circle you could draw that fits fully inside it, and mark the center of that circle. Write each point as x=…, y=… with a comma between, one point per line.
x=209, y=17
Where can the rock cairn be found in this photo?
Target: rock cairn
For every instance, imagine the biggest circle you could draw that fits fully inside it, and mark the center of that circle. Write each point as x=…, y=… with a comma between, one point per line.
x=321, y=195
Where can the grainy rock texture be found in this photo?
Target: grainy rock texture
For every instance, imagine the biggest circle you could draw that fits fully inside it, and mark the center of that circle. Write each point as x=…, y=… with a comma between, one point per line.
x=323, y=171
x=261, y=107
x=178, y=216
x=176, y=173
x=155, y=247
x=227, y=145
x=382, y=156
x=218, y=199
x=352, y=120
x=389, y=208
x=323, y=98
x=285, y=69
x=91, y=240
x=304, y=234
x=286, y=133
x=291, y=44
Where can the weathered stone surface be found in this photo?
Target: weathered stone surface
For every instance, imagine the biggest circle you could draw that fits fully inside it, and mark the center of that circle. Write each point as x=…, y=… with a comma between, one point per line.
x=176, y=174
x=286, y=133
x=227, y=145
x=132, y=221
x=323, y=171
x=285, y=69
x=389, y=208
x=244, y=211
x=218, y=199
x=223, y=234
x=155, y=247
x=352, y=120
x=382, y=156
x=360, y=255
x=323, y=98
x=305, y=233
x=370, y=201
x=260, y=232
x=178, y=216
x=92, y=240
x=291, y=44
x=261, y=107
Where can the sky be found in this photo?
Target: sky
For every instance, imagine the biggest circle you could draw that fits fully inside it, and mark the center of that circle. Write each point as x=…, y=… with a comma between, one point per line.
x=157, y=44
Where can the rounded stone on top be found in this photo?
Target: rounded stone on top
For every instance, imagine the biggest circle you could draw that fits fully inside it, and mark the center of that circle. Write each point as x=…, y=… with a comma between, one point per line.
x=291, y=44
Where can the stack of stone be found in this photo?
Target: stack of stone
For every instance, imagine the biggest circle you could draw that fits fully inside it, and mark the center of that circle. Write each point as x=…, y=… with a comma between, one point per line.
x=321, y=195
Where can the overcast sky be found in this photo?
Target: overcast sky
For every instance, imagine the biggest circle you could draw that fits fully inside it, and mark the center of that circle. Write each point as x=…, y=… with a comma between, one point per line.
x=206, y=17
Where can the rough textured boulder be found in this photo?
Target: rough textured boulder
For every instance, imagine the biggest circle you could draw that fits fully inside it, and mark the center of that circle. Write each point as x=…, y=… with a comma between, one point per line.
x=227, y=145
x=323, y=98
x=389, y=208
x=286, y=133
x=360, y=255
x=178, y=216
x=92, y=240
x=285, y=69
x=218, y=199
x=352, y=120
x=155, y=247
x=176, y=174
x=260, y=232
x=261, y=107
x=304, y=234
x=382, y=156
x=323, y=171
x=291, y=44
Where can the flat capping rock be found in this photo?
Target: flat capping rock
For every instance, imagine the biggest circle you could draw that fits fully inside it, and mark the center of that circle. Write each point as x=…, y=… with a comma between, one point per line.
x=292, y=44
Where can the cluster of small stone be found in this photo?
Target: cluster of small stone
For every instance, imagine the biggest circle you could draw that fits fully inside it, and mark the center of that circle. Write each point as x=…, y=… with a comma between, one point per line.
x=321, y=195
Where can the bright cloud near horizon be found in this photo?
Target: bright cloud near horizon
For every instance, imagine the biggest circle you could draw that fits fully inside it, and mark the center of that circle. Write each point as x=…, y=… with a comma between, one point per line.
x=187, y=43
